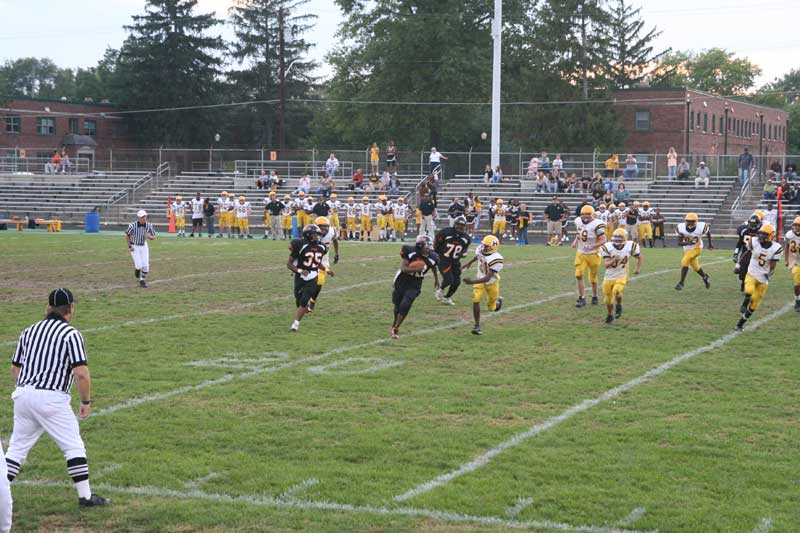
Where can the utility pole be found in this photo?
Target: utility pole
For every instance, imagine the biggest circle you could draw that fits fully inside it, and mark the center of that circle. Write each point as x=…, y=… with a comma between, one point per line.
x=582, y=15
x=497, y=30
x=282, y=81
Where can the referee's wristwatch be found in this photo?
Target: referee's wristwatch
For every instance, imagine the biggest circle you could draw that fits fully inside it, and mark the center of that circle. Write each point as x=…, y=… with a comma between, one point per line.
x=86, y=402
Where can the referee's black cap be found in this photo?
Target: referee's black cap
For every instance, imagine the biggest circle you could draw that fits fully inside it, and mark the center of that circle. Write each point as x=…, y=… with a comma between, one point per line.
x=61, y=296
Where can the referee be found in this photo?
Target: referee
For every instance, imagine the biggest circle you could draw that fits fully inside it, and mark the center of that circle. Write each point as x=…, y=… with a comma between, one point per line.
x=50, y=355
x=136, y=237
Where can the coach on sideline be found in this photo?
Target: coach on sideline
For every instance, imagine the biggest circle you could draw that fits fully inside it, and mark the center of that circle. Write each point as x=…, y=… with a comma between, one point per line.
x=50, y=355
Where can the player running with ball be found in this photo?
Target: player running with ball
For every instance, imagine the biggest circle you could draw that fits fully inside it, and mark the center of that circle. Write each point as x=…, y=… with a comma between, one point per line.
x=417, y=261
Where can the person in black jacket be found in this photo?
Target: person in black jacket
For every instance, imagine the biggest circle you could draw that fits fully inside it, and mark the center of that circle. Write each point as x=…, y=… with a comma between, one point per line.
x=208, y=213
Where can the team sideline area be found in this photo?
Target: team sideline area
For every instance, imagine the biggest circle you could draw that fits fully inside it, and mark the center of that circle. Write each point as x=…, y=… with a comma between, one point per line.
x=209, y=414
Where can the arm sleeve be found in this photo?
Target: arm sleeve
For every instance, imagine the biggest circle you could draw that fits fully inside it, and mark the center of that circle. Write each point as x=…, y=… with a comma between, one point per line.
x=496, y=265
x=604, y=252
x=18, y=359
x=76, y=351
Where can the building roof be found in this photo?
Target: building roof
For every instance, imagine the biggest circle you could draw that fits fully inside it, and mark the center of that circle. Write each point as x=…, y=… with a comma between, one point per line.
x=737, y=99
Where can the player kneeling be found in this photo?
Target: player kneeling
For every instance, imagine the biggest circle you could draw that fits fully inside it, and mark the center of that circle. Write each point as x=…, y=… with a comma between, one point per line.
x=305, y=260
x=765, y=256
x=616, y=255
x=490, y=263
x=417, y=261
x=327, y=236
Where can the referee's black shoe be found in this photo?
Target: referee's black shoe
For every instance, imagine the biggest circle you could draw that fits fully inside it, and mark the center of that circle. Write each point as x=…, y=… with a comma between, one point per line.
x=143, y=284
x=93, y=501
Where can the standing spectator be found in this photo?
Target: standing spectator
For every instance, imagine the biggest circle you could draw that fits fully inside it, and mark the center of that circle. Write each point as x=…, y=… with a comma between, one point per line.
x=524, y=221
x=745, y=164
x=261, y=180
x=428, y=210
x=703, y=175
x=358, y=180
x=771, y=215
x=622, y=195
x=332, y=165
x=533, y=167
x=50, y=356
x=488, y=174
x=374, y=158
x=683, y=170
x=208, y=213
x=558, y=164
x=564, y=221
x=325, y=185
x=612, y=164
x=770, y=190
x=553, y=214
x=631, y=168
x=391, y=157
x=274, y=208
x=672, y=162
x=435, y=162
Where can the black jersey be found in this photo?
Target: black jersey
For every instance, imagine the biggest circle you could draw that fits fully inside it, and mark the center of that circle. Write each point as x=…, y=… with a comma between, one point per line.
x=745, y=235
x=411, y=253
x=307, y=255
x=451, y=245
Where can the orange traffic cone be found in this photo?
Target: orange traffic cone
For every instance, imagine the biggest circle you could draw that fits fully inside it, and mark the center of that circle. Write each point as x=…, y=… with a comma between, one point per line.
x=171, y=215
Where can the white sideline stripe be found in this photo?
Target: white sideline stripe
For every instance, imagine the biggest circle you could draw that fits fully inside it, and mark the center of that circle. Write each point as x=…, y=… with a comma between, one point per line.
x=483, y=459
x=633, y=517
x=764, y=526
x=336, y=351
x=517, y=508
x=106, y=470
x=199, y=481
x=306, y=505
x=303, y=485
x=380, y=364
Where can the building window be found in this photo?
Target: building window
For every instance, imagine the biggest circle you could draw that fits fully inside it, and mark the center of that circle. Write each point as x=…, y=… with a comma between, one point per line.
x=698, y=120
x=691, y=122
x=705, y=122
x=13, y=124
x=73, y=126
x=46, y=126
x=91, y=127
x=643, y=120
x=713, y=123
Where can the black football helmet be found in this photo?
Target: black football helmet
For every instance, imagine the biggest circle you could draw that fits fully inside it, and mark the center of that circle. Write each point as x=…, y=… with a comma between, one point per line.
x=311, y=232
x=424, y=245
x=753, y=223
x=460, y=223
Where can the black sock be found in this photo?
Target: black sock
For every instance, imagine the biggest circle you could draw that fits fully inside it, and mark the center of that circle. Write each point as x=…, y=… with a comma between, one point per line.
x=13, y=469
x=78, y=469
x=136, y=273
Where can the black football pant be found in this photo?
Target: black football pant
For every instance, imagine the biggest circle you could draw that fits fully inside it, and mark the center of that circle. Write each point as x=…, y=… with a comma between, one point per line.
x=451, y=277
x=304, y=290
x=403, y=297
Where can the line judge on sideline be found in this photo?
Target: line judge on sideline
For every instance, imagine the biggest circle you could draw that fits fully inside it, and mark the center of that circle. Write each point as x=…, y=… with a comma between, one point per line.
x=50, y=355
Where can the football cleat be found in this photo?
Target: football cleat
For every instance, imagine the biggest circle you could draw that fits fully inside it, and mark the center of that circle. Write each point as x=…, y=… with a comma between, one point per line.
x=438, y=295
x=609, y=319
x=739, y=328
x=477, y=330
x=580, y=302
x=143, y=284
x=295, y=326
x=618, y=311
x=594, y=300
x=93, y=501
x=679, y=287
x=448, y=301
x=797, y=306
x=394, y=334
x=499, y=304
x=707, y=281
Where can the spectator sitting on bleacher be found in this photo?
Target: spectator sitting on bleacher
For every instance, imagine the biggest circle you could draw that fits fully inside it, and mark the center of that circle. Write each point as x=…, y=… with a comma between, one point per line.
x=612, y=164
x=331, y=165
x=386, y=177
x=358, y=180
x=541, y=182
x=394, y=186
x=775, y=170
x=791, y=171
x=703, y=175
x=66, y=164
x=533, y=167
x=498, y=175
x=770, y=190
x=597, y=183
x=631, y=168
x=608, y=198
x=275, y=181
x=488, y=173
x=622, y=195
x=571, y=183
x=552, y=183
x=54, y=165
x=304, y=185
x=261, y=180
x=683, y=170
x=325, y=185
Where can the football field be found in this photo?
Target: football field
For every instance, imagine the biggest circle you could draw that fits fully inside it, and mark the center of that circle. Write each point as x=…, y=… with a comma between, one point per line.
x=209, y=415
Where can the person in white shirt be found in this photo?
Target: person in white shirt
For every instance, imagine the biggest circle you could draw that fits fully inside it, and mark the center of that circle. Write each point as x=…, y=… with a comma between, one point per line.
x=616, y=257
x=197, y=214
x=435, y=161
x=304, y=185
x=178, y=208
x=332, y=165
x=771, y=215
x=690, y=236
x=558, y=164
x=243, y=210
x=793, y=259
x=703, y=175
x=533, y=167
x=223, y=216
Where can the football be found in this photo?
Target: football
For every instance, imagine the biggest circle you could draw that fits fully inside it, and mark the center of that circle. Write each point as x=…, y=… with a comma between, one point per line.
x=484, y=135
x=418, y=263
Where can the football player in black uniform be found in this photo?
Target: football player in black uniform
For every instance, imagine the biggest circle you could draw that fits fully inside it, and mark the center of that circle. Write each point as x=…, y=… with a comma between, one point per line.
x=305, y=260
x=451, y=245
x=417, y=261
x=741, y=254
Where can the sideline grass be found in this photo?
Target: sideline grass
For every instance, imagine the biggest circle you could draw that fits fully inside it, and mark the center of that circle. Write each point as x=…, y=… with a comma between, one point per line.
x=708, y=446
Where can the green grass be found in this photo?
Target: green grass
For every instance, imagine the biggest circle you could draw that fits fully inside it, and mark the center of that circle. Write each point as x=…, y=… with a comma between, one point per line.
x=709, y=445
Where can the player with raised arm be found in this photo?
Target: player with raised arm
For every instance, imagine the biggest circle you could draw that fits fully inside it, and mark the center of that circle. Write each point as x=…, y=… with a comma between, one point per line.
x=417, y=260
x=690, y=236
x=305, y=260
x=490, y=263
x=590, y=235
x=616, y=258
x=765, y=255
x=451, y=245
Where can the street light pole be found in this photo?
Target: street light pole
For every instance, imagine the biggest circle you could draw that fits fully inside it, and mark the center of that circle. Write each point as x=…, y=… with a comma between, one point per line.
x=688, y=125
x=760, y=142
x=497, y=29
x=282, y=81
x=725, y=125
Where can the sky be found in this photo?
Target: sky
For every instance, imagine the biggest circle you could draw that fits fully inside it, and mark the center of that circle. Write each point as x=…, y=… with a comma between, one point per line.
x=762, y=30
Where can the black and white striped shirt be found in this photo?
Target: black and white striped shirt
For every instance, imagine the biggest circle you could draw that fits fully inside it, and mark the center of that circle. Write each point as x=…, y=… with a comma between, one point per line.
x=136, y=233
x=46, y=354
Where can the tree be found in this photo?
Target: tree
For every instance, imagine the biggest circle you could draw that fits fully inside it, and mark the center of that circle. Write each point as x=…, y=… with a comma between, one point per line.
x=257, y=26
x=33, y=77
x=630, y=53
x=716, y=71
x=170, y=60
x=785, y=93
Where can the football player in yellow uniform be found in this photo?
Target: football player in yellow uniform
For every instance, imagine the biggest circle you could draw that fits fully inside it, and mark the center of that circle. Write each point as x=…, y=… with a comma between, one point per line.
x=616, y=256
x=383, y=211
x=230, y=213
x=490, y=263
x=365, y=210
x=286, y=216
x=590, y=235
x=334, y=205
x=499, y=224
x=178, y=208
x=351, y=216
x=400, y=216
x=690, y=235
x=611, y=220
x=765, y=255
x=793, y=259
x=645, y=227
x=243, y=211
x=301, y=210
x=223, y=218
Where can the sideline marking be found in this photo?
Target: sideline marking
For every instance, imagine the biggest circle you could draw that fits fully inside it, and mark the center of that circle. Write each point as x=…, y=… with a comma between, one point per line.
x=133, y=402
x=764, y=526
x=484, y=458
x=303, y=485
x=634, y=516
x=308, y=505
x=380, y=364
x=199, y=481
x=517, y=508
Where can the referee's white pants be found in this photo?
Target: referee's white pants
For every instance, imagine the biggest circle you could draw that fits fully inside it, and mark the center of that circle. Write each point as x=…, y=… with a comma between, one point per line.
x=5, y=495
x=141, y=258
x=427, y=227
x=37, y=411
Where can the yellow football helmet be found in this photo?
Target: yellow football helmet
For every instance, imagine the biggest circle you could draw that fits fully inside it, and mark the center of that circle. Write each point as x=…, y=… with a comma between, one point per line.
x=351, y=199
x=365, y=199
x=769, y=229
x=333, y=196
x=382, y=198
x=611, y=207
x=241, y=198
x=224, y=193
x=759, y=213
x=273, y=193
x=796, y=225
x=179, y=198
x=619, y=236
x=301, y=193
x=621, y=205
x=691, y=217
x=646, y=204
x=499, y=201
x=322, y=221
x=490, y=244
x=587, y=210
x=636, y=204
x=602, y=206
x=231, y=195
x=287, y=197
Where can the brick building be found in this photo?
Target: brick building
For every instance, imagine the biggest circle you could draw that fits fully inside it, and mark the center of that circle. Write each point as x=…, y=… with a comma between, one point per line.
x=39, y=126
x=698, y=123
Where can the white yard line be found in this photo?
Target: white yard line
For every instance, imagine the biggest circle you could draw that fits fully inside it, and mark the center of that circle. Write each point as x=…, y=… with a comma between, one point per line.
x=290, y=494
x=764, y=526
x=201, y=480
x=133, y=402
x=306, y=505
x=484, y=459
x=518, y=507
x=632, y=518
